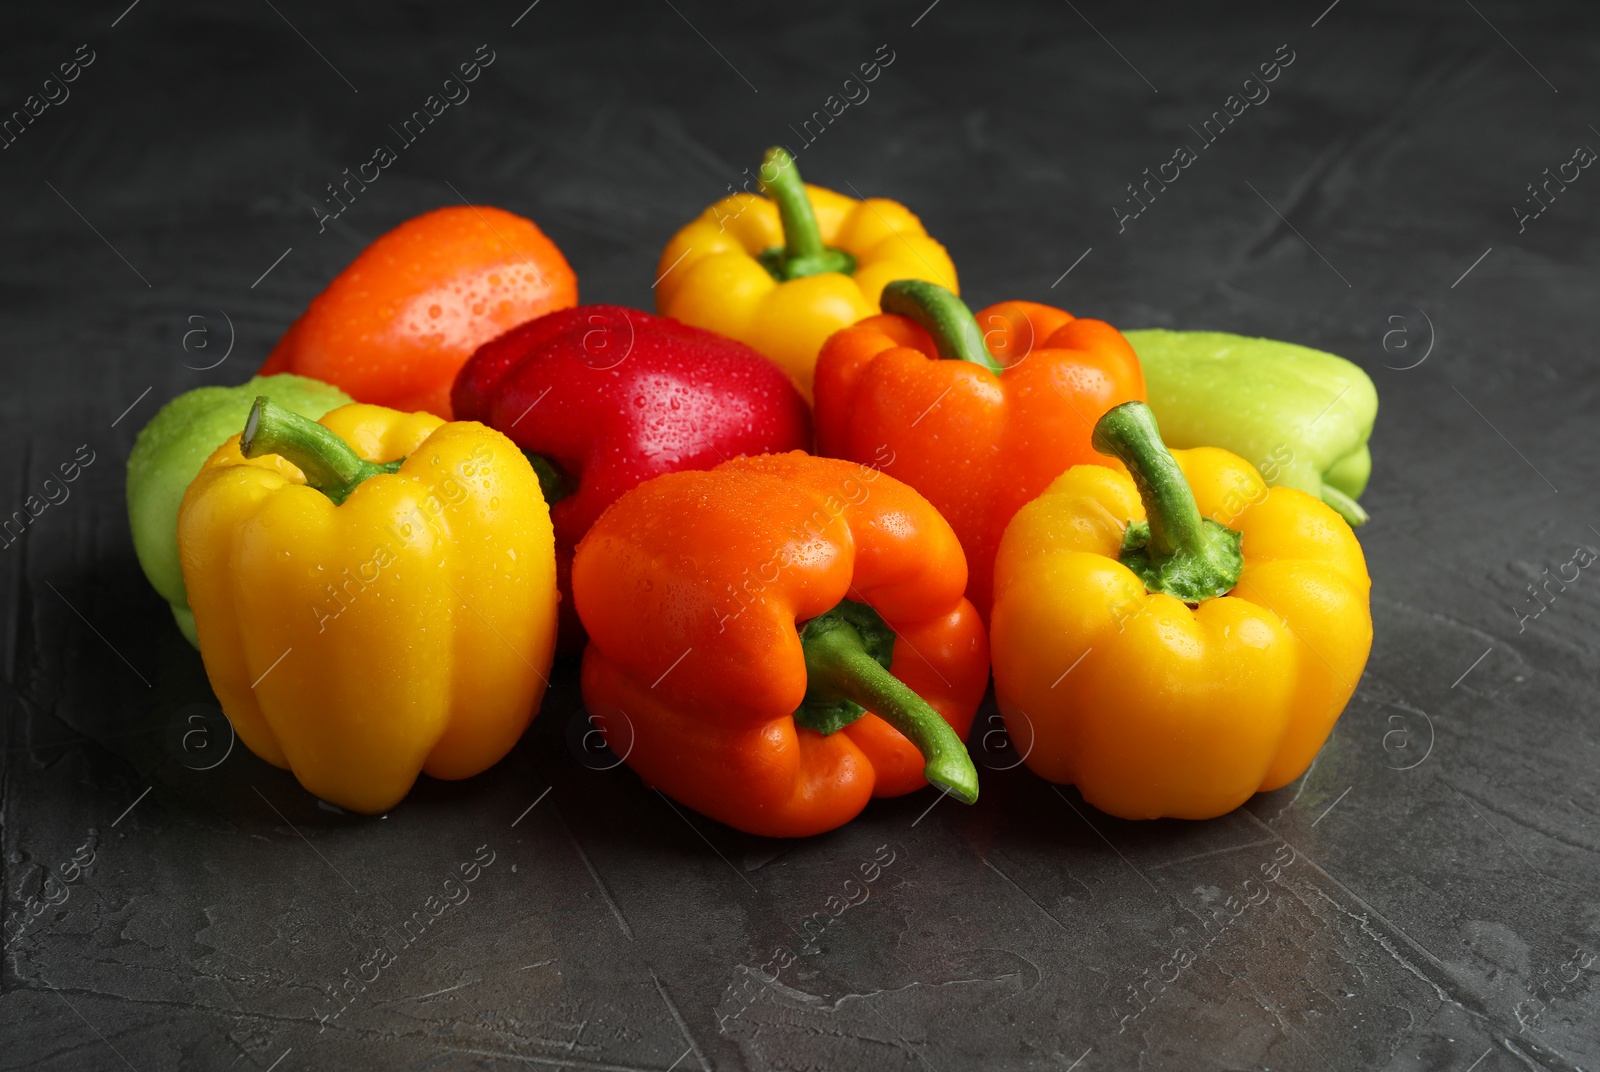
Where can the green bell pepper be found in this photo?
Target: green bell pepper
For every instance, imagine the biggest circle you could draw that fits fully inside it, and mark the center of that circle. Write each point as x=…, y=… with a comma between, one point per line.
x=1300, y=416
x=171, y=449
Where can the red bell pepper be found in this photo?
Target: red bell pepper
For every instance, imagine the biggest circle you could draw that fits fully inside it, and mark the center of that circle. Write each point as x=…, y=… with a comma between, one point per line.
x=602, y=398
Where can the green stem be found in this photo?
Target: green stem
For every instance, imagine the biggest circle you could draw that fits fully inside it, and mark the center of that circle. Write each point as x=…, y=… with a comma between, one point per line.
x=553, y=482
x=1346, y=507
x=847, y=653
x=946, y=317
x=1177, y=551
x=802, y=252
x=327, y=461
x=1129, y=433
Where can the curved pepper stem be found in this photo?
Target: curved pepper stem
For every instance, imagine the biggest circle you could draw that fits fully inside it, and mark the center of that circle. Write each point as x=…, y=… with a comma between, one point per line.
x=848, y=651
x=1345, y=506
x=1177, y=551
x=946, y=317
x=802, y=252
x=327, y=461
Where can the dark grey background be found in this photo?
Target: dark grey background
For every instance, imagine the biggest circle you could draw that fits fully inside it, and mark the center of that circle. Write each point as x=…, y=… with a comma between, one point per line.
x=1440, y=907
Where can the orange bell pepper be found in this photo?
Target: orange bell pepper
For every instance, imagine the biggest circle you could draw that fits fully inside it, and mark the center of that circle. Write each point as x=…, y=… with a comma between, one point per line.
x=742, y=618
x=395, y=326
x=987, y=430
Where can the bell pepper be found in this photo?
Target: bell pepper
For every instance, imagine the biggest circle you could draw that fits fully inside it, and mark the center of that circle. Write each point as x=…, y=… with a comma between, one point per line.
x=978, y=419
x=602, y=398
x=1174, y=641
x=375, y=595
x=1301, y=415
x=775, y=641
x=171, y=449
x=785, y=271
x=394, y=327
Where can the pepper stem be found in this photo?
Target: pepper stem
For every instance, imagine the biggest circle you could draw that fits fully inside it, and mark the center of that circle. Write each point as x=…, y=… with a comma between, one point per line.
x=1345, y=506
x=553, y=483
x=946, y=317
x=847, y=653
x=1177, y=551
x=327, y=461
x=802, y=252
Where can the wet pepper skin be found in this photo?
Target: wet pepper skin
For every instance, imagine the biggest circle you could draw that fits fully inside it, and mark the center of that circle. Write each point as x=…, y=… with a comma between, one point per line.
x=691, y=586
x=409, y=628
x=711, y=277
x=394, y=327
x=169, y=453
x=1176, y=710
x=613, y=397
x=977, y=444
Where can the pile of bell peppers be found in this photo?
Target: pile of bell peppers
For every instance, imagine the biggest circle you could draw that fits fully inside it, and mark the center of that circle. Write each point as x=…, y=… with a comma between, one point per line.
x=450, y=481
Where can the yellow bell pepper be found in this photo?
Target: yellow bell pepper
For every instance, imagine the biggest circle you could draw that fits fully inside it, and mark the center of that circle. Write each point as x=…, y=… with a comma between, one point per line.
x=362, y=617
x=1174, y=642
x=781, y=275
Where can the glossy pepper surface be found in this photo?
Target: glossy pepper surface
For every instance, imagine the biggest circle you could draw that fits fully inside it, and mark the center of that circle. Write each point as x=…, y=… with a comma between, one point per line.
x=607, y=397
x=383, y=604
x=394, y=327
x=1303, y=417
x=1175, y=642
x=741, y=618
x=978, y=414
x=169, y=453
x=785, y=271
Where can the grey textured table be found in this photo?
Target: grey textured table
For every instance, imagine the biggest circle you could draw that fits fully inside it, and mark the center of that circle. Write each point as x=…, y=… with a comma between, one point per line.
x=1427, y=897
